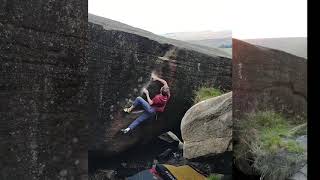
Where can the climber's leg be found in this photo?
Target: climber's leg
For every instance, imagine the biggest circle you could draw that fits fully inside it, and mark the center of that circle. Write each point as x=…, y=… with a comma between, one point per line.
x=140, y=119
x=136, y=103
x=145, y=105
x=146, y=115
x=139, y=101
x=149, y=111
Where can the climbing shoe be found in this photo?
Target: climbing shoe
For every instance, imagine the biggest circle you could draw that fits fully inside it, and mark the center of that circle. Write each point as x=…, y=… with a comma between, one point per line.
x=126, y=110
x=125, y=131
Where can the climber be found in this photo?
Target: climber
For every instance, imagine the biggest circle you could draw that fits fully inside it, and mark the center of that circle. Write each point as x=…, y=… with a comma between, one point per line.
x=151, y=106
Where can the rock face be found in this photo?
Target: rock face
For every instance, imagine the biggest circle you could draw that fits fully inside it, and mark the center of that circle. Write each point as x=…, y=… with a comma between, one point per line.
x=268, y=79
x=120, y=64
x=43, y=81
x=206, y=127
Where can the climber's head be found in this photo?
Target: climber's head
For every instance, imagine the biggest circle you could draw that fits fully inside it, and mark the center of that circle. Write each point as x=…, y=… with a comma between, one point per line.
x=164, y=90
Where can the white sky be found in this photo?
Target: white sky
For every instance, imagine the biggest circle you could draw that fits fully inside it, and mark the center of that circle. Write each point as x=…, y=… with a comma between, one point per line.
x=246, y=18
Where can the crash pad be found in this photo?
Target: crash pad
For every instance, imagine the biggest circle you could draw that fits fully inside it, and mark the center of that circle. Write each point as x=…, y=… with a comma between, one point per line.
x=179, y=172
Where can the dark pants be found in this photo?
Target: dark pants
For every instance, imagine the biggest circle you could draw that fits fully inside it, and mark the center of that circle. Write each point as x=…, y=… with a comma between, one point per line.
x=149, y=112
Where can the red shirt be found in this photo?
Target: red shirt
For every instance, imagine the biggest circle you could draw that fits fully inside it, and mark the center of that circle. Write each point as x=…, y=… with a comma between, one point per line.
x=159, y=102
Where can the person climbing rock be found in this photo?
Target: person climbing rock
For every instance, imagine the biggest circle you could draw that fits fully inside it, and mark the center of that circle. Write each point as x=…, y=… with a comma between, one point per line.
x=151, y=106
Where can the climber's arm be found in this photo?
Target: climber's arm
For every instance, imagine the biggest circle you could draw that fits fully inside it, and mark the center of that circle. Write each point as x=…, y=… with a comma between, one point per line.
x=146, y=92
x=169, y=92
x=156, y=78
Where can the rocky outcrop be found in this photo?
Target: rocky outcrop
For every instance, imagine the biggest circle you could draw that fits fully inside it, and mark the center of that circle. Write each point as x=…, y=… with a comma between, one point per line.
x=297, y=46
x=109, y=24
x=103, y=175
x=268, y=79
x=171, y=138
x=206, y=127
x=43, y=81
x=300, y=175
x=120, y=64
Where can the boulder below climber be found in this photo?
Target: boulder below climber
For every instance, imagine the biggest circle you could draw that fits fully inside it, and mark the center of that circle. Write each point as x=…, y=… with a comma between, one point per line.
x=207, y=127
x=120, y=65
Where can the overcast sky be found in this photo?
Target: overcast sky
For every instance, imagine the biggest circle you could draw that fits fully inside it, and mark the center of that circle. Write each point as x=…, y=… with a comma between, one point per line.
x=246, y=18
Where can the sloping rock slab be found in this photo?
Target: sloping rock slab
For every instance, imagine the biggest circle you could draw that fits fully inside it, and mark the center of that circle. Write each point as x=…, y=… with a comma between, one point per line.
x=207, y=127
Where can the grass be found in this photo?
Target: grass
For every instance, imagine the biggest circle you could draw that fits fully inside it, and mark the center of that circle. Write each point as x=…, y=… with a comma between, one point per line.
x=204, y=93
x=274, y=132
x=268, y=140
x=213, y=177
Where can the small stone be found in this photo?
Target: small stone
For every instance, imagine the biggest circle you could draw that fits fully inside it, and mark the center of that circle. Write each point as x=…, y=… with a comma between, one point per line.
x=63, y=172
x=33, y=145
x=124, y=164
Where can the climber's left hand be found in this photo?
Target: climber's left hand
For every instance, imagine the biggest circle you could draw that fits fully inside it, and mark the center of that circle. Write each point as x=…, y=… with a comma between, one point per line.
x=144, y=90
